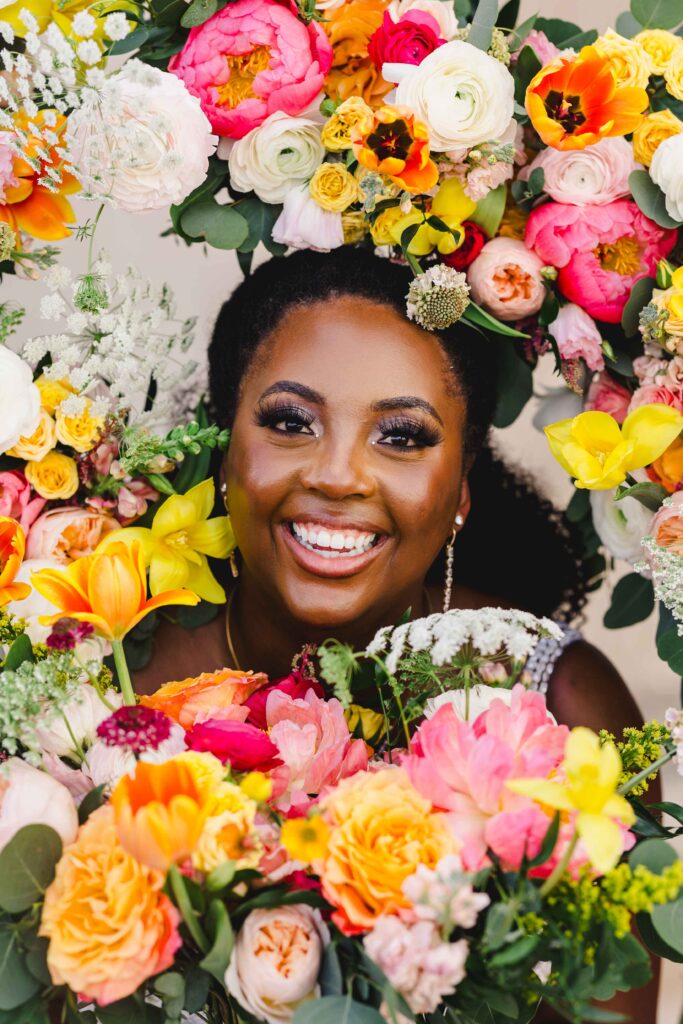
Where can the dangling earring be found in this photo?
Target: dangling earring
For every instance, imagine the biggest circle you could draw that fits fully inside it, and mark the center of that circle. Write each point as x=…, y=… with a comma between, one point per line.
x=448, y=585
x=234, y=568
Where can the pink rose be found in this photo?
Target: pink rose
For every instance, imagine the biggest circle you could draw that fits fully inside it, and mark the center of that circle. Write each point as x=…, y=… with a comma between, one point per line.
x=506, y=279
x=239, y=744
x=577, y=336
x=600, y=251
x=607, y=395
x=406, y=41
x=657, y=394
x=667, y=525
x=296, y=685
x=16, y=501
x=586, y=177
x=541, y=45
x=29, y=796
x=68, y=533
x=250, y=59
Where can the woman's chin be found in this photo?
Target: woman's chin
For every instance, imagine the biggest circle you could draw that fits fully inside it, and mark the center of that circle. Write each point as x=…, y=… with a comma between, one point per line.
x=327, y=607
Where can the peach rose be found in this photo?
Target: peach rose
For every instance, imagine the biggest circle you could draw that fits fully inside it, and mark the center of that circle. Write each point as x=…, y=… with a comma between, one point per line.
x=211, y=695
x=381, y=829
x=353, y=73
x=68, y=533
x=667, y=470
x=108, y=922
x=667, y=525
x=506, y=279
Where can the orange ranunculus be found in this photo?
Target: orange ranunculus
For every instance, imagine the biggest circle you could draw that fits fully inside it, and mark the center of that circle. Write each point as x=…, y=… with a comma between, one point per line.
x=667, y=470
x=109, y=925
x=30, y=207
x=349, y=28
x=391, y=142
x=216, y=694
x=573, y=102
x=12, y=547
x=160, y=811
x=106, y=589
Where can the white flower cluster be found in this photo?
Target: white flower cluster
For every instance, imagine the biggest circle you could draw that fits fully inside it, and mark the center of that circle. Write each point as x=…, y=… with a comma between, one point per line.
x=673, y=720
x=490, y=631
x=666, y=568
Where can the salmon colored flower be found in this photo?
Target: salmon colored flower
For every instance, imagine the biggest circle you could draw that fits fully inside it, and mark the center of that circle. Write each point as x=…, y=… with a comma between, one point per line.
x=349, y=28
x=667, y=525
x=573, y=102
x=212, y=695
x=392, y=142
x=667, y=470
x=12, y=547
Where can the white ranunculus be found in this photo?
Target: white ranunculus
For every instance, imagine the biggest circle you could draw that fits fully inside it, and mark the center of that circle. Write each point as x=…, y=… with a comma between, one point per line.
x=29, y=796
x=83, y=714
x=666, y=170
x=304, y=225
x=441, y=10
x=464, y=96
x=19, y=399
x=480, y=698
x=620, y=525
x=282, y=152
x=275, y=963
x=141, y=141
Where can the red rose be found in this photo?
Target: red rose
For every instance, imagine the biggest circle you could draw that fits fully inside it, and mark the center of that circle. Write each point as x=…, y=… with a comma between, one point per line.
x=243, y=746
x=407, y=41
x=475, y=238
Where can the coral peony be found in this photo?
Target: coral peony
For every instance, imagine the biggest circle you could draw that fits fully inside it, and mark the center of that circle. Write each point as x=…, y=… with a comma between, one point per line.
x=506, y=279
x=406, y=41
x=109, y=925
x=16, y=500
x=353, y=74
x=68, y=533
x=606, y=395
x=577, y=336
x=251, y=59
x=600, y=251
x=244, y=747
x=211, y=695
x=586, y=177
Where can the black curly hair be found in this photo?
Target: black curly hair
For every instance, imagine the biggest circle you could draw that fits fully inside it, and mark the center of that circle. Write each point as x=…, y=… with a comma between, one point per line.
x=515, y=544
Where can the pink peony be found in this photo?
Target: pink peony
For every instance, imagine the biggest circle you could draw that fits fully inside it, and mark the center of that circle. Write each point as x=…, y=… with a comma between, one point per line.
x=66, y=534
x=250, y=59
x=586, y=177
x=16, y=501
x=406, y=41
x=295, y=685
x=541, y=45
x=239, y=744
x=577, y=336
x=600, y=251
x=506, y=279
x=607, y=395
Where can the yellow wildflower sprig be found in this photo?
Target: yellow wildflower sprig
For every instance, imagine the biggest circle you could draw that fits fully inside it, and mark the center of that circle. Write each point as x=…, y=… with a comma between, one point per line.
x=639, y=750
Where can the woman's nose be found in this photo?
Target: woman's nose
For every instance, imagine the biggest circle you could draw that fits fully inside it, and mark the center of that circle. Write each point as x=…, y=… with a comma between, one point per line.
x=339, y=469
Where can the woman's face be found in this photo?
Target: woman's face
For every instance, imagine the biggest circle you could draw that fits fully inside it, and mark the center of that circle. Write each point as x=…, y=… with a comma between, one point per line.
x=345, y=467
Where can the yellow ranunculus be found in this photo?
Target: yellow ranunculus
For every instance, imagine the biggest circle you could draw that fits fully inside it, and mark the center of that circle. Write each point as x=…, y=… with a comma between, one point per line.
x=333, y=188
x=336, y=134
x=631, y=63
x=598, y=454
x=450, y=205
x=42, y=440
x=652, y=131
x=55, y=476
x=80, y=432
x=181, y=536
x=673, y=76
x=660, y=47
x=355, y=226
x=591, y=772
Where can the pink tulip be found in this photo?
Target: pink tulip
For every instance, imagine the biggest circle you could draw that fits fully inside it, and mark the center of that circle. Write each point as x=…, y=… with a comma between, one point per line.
x=16, y=501
x=239, y=744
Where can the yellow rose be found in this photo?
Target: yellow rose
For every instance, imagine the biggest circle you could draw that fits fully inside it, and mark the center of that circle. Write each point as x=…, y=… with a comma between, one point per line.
x=52, y=392
x=109, y=925
x=659, y=45
x=651, y=132
x=355, y=226
x=629, y=60
x=336, y=135
x=55, y=476
x=79, y=432
x=383, y=225
x=228, y=832
x=42, y=440
x=381, y=829
x=673, y=76
x=333, y=187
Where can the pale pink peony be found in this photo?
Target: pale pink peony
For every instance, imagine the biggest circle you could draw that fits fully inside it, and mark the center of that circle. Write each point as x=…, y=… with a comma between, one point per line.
x=278, y=63
x=541, y=45
x=506, y=279
x=304, y=225
x=607, y=395
x=577, y=336
x=586, y=177
x=16, y=500
x=600, y=251
x=66, y=534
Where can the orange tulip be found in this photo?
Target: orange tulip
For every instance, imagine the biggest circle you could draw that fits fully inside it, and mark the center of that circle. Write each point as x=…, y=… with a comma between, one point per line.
x=390, y=141
x=574, y=102
x=12, y=547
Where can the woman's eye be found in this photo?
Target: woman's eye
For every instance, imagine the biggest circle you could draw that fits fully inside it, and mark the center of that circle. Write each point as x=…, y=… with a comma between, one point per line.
x=290, y=425
x=407, y=434
x=287, y=420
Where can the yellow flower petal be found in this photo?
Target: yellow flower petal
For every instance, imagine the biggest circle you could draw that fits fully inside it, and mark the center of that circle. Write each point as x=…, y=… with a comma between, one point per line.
x=202, y=581
x=128, y=535
x=212, y=537
x=602, y=839
x=597, y=431
x=583, y=465
x=553, y=794
x=202, y=497
x=168, y=570
x=558, y=435
x=177, y=513
x=652, y=428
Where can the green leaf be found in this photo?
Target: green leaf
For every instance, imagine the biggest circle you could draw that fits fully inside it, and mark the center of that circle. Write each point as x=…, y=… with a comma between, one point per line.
x=650, y=198
x=657, y=13
x=499, y=922
x=594, y=1013
x=515, y=952
x=220, y=931
x=641, y=293
x=193, y=616
x=197, y=985
x=482, y=24
x=36, y=957
x=490, y=209
x=651, y=495
x=519, y=34
x=27, y=866
x=90, y=802
x=579, y=507
x=336, y=1010
x=198, y=12
x=514, y=387
x=557, y=30
x=221, y=877
x=633, y=601
x=509, y=13
x=331, y=978
x=33, y=1012
x=527, y=66
x=654, y=942
x=133, y=41
x=548, y=844
x=474, y=314
x=223, y=227
x=654, y=854
x=130, y=1011
x=670, y=650
x=261, y=219
x=17, y=984
x=667, y=921
x=20, y=651
x=626, y=25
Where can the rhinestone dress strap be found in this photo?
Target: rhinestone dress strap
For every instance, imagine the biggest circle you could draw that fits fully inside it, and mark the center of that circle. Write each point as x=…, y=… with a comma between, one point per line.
x=542, y=662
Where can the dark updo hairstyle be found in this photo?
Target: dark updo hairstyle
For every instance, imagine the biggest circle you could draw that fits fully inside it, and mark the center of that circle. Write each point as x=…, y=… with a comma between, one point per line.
x=515, y=546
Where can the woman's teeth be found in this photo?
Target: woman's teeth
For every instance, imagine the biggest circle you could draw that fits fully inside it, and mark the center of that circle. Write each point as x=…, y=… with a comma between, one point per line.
x=333, y=544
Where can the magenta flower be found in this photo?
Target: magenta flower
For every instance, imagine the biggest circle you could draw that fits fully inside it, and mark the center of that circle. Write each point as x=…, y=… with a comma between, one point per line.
x=295, y=685
x=252, y=58
x=406, y=41
x=244, y=747
x=137, y=729
x=15, y=497
x=66, y=633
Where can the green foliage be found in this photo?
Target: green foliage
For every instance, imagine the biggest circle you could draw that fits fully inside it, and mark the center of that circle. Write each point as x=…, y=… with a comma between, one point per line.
x=474, y=314
x=490, y=210
x=669, y=643
x=482, y=25
x=337, y=666
x=222, y=226
x=336, y=1010
x=657, y=13
x=565, y=33
x=649, y=494
x=633, y=601
x=198, y=12
x=218, y=925
x=27, y=866
x=20, y=651
x=527, y=66
x=650, y=198
x=514, y=384
x=641, y=293
x=90, y=802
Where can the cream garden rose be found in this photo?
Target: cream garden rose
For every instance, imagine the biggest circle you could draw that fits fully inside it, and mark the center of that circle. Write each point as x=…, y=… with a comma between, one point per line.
x=282, y=152
x=19, y=399
x=666, y=170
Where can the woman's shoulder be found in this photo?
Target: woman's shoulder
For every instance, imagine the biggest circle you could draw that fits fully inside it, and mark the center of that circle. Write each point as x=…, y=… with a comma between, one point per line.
x=180, y=653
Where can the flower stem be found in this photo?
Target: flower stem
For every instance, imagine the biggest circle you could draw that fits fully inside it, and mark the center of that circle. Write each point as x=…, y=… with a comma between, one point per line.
x=123, y=673
x=646, y=772
x=186, y=909
x=92, y=236
x=561, y=866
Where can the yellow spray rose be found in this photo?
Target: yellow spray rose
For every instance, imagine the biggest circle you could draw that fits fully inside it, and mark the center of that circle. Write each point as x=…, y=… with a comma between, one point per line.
x=42, y=440
x=630, y=61
x=228, y=832
x=80, y=432
x=336, y=135
x=52, y=392
x=355, y=226
x=55, y=476
x=333, y=187
x=660, y=47
x=651, y=132
x=673, y=76
x=383, y=225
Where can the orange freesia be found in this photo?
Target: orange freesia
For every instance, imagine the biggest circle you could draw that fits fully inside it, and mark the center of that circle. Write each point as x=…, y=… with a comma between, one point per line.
x=29, y=206
x=391, y=142
x=574, y=102
x=107, y=589
x=211, y=695
x=12, y=547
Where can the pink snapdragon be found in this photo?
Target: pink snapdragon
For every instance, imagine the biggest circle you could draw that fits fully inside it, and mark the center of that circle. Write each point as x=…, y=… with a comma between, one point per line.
x=16, y=500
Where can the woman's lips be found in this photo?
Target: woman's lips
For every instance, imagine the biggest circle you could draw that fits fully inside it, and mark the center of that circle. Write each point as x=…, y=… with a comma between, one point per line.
x=333, y=564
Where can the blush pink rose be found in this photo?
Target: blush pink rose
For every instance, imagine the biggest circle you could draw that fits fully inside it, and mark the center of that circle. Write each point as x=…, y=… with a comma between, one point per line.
x=244, y=747
x=600, y=251
x=586, y=177
x=656, y=394
x=667, y=525
x=278, y=63
x=607, y=395
x=406, y=41
x=577, y=336
x=16, y=501
x=68, y=533
x=132, y=498
x=506, y=279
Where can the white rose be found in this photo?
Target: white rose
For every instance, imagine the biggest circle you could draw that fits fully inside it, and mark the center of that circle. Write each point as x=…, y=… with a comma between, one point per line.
x=441, y=10
x=620, y=525
x=464, y=96
x=141, y=140
x=282, y=152
x=275, y=963
x=480, y=698
x=29, y=796
x=19, y=399
x=83, y=713
x=304, y=225
x=666, y=170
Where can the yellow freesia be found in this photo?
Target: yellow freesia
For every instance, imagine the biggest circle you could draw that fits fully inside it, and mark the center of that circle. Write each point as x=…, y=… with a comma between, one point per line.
x=591, y=773
x=180, y=538
x=598, y=453
x=450, y=205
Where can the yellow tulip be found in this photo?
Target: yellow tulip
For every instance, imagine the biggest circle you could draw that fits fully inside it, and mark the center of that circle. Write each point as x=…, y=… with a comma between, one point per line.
x=591, y=773
x=176, y=546
x=450, y=205
x=598, y=454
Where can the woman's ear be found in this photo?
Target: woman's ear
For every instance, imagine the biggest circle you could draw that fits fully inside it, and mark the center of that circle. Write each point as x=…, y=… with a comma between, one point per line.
x=465, y=500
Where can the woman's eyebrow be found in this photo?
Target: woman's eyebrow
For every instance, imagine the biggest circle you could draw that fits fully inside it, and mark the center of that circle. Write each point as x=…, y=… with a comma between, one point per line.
x=292, y=387
x=406, y=402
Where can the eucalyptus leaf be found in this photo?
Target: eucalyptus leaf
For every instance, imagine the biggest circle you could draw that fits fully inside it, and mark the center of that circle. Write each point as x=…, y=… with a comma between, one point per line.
x=657, y=13
x=650, y=198
x=483, y=23
x=641, y=293
x=654, y=854
x=667, y=921
x=222, y=226
x=17, y=984
x=633, y=601
x=336, y=1010
x=27, y=866
x=198, y=12
x=626, y=25
x=654, y=941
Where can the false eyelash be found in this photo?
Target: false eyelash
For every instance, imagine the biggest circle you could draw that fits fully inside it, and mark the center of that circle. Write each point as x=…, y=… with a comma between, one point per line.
x=271, y=415
x=423, y=435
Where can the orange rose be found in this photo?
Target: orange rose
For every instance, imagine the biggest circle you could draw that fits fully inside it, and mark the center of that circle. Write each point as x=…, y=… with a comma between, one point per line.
x=353, y=73
x=667, y=470
x=380, y=830
x=211, y=695
x=108, y=923
x=12, y=547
